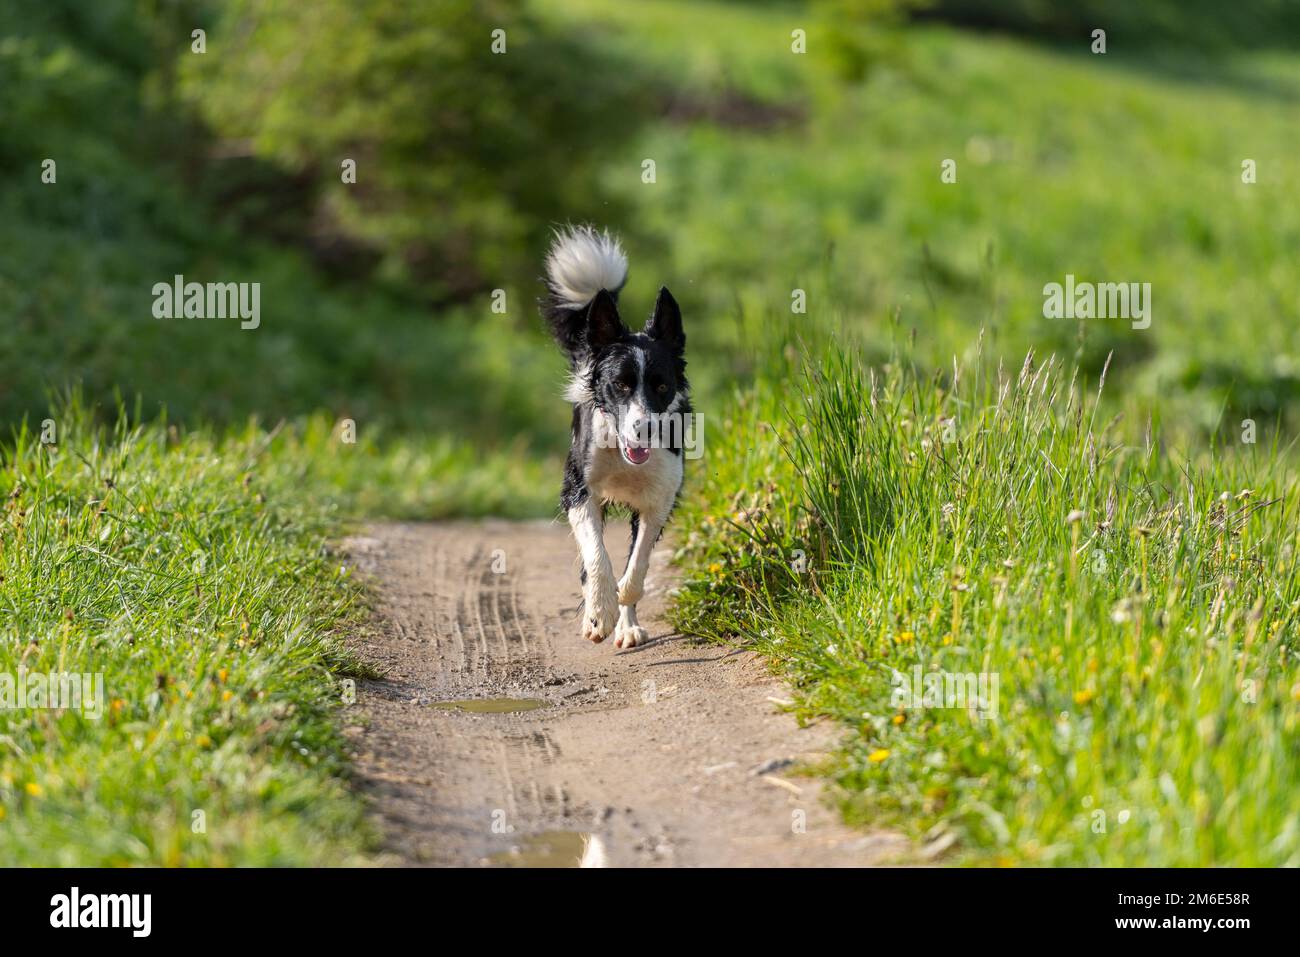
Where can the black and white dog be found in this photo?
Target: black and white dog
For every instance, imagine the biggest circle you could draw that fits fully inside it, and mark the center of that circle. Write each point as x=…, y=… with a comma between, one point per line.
x=629, y=395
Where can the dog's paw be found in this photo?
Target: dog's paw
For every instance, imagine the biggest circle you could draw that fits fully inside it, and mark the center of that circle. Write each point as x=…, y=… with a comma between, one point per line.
x=601, y=610
x=629, y=593
x=629, y=636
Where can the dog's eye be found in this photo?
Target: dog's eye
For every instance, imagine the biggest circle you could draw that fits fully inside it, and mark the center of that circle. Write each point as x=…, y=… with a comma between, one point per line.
x=661, y=388
x=625, y=387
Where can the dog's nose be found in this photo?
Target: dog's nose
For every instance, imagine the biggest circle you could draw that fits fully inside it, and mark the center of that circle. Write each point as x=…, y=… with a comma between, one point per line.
x=636, y=431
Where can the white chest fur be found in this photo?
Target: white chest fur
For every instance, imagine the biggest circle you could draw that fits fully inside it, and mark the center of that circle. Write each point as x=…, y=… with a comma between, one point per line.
x=650, y=488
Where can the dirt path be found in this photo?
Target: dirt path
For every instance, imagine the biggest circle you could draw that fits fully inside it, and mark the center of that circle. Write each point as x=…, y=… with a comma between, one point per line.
x=646, y=757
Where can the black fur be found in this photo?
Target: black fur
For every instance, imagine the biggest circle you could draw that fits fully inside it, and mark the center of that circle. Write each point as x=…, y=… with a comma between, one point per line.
x=601, y=350
x=570, y=326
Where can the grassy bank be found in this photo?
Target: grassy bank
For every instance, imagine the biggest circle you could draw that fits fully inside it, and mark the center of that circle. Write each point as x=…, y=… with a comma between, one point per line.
x=1120, y=615
x=191, y=573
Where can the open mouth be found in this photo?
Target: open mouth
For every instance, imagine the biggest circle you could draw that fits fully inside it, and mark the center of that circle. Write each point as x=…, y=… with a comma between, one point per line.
x=634, y=454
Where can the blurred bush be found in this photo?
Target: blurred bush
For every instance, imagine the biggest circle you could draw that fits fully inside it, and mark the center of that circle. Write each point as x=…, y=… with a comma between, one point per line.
x=144, y=192
x=72, y=80
x=463, y=155
x=861, y=34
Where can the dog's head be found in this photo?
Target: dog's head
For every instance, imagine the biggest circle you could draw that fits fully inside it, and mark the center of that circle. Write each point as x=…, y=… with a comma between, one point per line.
x=635, y=380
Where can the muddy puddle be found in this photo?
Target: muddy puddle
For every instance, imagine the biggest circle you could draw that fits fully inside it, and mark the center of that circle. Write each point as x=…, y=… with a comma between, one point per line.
x=492, y=705
x=548, y=849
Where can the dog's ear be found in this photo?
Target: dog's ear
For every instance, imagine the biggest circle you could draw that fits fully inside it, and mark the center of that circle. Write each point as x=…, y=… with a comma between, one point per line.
x=665, y=323
x=603, y=324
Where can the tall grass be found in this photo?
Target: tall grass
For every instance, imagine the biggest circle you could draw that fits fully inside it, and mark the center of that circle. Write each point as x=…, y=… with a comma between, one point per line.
x=192, y=574
x=1137, y=608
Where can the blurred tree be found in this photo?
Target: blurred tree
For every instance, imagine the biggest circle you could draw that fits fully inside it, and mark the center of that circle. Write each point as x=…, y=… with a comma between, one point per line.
x=471, y=126
x=72, y=79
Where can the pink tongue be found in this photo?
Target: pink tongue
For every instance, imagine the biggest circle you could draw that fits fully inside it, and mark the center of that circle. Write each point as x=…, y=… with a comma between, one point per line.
x=637, y=456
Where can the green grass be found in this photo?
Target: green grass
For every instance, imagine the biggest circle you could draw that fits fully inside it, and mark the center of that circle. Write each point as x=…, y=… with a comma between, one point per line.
x=79, y=309
x=194, y=570
x=1115, y=167
x=192, y=574
x=1138, y=608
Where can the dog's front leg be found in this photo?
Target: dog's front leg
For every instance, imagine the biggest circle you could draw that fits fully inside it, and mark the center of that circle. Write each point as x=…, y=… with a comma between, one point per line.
x=600, y=594
x=632, y=585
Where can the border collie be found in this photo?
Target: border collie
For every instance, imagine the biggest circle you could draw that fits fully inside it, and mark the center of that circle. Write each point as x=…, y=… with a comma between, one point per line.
x=629, y=395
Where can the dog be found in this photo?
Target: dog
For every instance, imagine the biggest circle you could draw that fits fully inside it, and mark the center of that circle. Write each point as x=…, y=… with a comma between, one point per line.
x=629, y=395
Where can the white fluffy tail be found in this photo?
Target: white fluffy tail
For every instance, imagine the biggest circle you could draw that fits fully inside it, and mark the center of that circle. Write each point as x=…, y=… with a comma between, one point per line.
x=581, y=263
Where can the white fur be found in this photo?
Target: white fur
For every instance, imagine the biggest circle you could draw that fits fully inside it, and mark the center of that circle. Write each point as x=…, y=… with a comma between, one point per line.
x=629, y=633
x=578, y=389
x=636, y=419
x=582, y=262
x=649, y=489
x=601, y=595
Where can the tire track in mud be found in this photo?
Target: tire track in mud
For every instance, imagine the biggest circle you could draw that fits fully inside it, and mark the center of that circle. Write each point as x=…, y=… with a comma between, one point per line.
x=645, y=757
